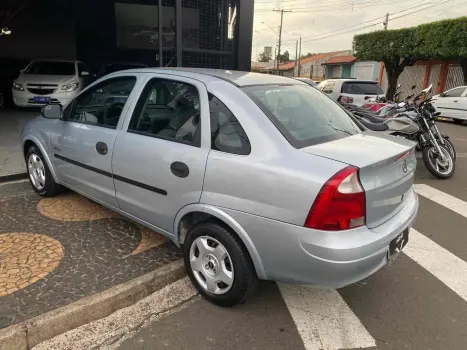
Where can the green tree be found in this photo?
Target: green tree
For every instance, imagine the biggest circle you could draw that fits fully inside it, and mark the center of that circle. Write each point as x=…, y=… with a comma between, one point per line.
x=403, y=47
x=264, y=57
x=396, y=48
x=309, y=54
x=445, y=40
x=285, y=57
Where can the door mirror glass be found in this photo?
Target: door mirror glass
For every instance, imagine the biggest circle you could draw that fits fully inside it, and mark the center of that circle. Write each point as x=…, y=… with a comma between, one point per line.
x=52, y=111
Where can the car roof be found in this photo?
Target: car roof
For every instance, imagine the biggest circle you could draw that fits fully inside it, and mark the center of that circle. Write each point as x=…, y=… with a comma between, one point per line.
x=237, y=78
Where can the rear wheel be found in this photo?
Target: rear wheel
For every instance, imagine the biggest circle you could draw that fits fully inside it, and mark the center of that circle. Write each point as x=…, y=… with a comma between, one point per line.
x=40, y=177
x=441, y=166
x=219, y=265
x=458, y=121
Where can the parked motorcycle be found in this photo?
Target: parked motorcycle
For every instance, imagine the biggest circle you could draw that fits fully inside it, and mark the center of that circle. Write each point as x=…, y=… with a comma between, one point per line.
x=416, y=120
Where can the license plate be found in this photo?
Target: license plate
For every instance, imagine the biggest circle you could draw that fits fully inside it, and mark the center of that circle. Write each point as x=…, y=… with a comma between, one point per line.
x=397, y=244
x=41, y=99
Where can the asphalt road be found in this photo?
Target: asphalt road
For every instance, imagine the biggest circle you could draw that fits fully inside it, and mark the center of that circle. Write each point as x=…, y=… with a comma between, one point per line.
x=419, y=302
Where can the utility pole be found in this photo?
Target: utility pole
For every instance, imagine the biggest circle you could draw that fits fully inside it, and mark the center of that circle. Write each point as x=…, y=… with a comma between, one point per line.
x=296, y=57
x=299, y=56
x=385, y=23
x=280, y=35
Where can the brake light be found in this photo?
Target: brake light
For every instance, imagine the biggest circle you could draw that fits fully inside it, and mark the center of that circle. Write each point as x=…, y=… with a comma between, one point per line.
x=345, y=99
x=340, y=204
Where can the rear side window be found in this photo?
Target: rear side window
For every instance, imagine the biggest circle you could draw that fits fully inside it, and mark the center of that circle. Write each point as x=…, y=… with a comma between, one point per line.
x=304, y=116
x=455, y=92
x=328, y=88
x=227, y=135
x=361, y=88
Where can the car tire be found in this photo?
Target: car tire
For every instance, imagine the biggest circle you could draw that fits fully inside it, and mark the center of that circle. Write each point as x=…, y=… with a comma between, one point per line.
x=202, y=264
x=40, y=177
x=458, y=121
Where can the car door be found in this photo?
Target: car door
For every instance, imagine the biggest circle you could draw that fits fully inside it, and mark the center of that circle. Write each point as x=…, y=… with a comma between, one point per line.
x=159, y=158
x=462, y=105
x=90, y=125
x=448, y=103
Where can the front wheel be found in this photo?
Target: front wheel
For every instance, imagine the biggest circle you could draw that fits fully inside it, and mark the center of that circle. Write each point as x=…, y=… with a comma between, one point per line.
x=219, y=265
x=443, y=167
x=40, y=177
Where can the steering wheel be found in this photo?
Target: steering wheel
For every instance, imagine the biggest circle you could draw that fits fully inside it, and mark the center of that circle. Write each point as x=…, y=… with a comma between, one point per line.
x=112, y=113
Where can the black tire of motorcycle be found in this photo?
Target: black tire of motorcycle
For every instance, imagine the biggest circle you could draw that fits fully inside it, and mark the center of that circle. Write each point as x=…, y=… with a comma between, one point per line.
x=451, y=149
x=431, y=168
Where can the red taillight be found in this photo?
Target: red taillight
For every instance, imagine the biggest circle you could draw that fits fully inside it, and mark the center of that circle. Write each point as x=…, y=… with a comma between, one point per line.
x=340, y=205
x=345, y=99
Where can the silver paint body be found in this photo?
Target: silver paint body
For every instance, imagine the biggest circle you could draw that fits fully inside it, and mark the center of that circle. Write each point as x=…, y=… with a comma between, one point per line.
x=264, y=197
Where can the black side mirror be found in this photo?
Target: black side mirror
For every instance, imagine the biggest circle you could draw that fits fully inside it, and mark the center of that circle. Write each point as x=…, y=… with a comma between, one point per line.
x=52, y=111
x=413, y=87
x=366, y=98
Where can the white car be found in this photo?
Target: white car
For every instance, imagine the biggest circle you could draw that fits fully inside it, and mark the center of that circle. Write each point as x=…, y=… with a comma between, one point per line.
x=49, y=81
x=352, y=91
x=452, y=104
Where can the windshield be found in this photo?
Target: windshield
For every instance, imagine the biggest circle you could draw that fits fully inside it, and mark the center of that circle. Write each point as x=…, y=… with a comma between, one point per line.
x=51, y=68
x=304, y=115
x=361, y=88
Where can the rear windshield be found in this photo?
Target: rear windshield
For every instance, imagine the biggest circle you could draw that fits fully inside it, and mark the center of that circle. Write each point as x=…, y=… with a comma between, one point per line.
x=51, y=68
x=361, y=88
x=304, y=115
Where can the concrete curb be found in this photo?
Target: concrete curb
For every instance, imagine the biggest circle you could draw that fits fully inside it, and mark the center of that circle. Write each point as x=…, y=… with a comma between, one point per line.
x=13, y=177
x=28, y=334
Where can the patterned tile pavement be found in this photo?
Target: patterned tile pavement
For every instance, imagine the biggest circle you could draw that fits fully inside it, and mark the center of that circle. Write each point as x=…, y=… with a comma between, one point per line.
x=54, y=251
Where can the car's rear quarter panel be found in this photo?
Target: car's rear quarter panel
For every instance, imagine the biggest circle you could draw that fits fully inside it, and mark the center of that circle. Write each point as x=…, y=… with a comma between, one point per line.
x=275, y=180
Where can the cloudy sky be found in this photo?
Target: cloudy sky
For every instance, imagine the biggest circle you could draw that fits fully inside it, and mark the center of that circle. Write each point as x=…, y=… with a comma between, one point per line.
x=329, y=25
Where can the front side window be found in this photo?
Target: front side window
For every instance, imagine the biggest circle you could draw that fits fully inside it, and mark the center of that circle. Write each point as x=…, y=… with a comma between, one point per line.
x=227, y=135
x=169, y=110
x=51, y=68
x=457, y=92
x=361, y=88
x=103, y=103
x=304, y=116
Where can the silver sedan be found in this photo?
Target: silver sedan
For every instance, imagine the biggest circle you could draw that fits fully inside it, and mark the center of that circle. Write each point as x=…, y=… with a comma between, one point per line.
x=254, y=176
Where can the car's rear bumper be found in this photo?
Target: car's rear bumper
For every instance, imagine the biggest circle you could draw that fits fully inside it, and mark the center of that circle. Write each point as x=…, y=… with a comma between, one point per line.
x=295, y=254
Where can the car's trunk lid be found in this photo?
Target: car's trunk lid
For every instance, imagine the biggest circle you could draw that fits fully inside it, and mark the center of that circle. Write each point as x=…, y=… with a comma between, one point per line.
x=387, y=167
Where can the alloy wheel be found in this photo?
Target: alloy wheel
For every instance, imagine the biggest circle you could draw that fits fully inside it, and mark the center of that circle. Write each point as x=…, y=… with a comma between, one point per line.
x=36, y=171
x=211, y=265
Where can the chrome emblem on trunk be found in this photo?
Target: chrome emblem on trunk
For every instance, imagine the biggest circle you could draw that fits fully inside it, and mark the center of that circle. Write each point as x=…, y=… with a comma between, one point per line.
x=404, y=166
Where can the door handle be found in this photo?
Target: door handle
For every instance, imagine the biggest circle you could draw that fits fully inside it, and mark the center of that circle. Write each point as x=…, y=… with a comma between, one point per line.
x=179, y=169
x=101, y=148
x=454, y=101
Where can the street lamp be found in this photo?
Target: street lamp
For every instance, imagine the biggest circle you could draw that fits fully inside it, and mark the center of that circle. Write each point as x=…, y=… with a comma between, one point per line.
x=267, y=25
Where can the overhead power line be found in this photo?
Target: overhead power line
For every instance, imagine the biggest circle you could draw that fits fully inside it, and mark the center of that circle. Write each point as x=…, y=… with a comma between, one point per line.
x=346, y=29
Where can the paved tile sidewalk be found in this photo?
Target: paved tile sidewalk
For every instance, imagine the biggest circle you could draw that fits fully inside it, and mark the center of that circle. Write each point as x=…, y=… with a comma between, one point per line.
x=54, y=251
